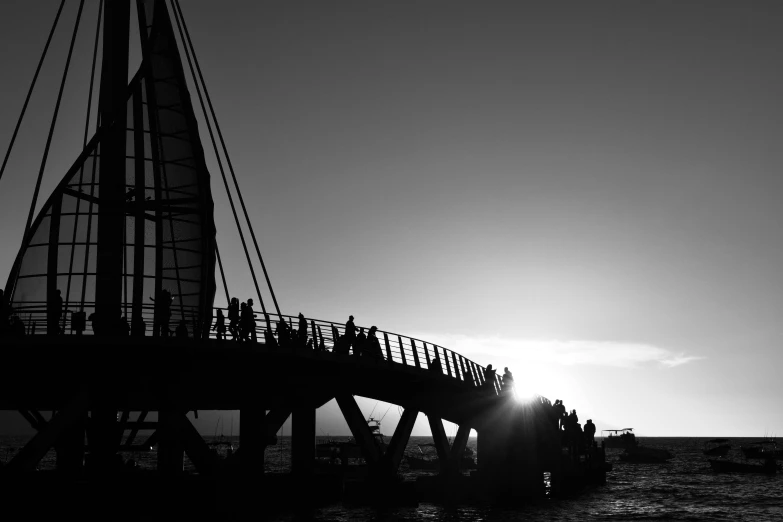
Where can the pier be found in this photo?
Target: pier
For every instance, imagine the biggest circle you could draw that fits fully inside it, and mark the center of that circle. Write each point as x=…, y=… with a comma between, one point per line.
x=108, y=316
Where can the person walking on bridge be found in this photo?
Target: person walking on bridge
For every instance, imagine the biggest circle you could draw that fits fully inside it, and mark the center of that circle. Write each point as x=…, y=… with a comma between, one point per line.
x=350, y=334
x=373, y=344
x=360, y=343
x=507, y=385
x=489, y=379
x=589, y=430
x=302, y=329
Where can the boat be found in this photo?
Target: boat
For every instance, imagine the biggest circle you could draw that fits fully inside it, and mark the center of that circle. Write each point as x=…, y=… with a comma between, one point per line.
x=716, y=447
x=761, y=449
x=350, y=449
x=769, y=467
x=622, y=438
x=425, y=460
x=640, y=453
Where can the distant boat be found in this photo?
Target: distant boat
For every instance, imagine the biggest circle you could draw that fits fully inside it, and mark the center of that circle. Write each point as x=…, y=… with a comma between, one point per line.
x=350, y=449
x=762, y=449
x=645, y=454
x=427, y=461
x=769, y=467
x=716, y=447
x=622, y=438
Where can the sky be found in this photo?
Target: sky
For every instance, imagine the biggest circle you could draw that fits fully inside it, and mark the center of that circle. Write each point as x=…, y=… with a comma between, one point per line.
x=585, y=192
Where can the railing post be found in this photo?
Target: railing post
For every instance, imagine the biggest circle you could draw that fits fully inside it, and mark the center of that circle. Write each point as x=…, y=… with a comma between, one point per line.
x=335, y=337
x=479, y=374
x=402, y=351
x=315, y=337
x=388, y=348
x=426, y=354
x=415, y=353
x=321, y=345
x=446, y=359
x=456, y=368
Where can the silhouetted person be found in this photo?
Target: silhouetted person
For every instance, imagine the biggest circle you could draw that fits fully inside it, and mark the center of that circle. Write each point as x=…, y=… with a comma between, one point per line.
x=589, y=430
x=162, y=313
x=373, y=344
x=54, y=310
x=350, y=333
x=220, y=325
x=124, y=326
x=489, y=379
x=95, y=323
x=507, y=385
x=182, y=329
x=435, y=365
x=233, y=318
x=560, y=412
x=282, y=333
x=359, y=343
x=302, y=329
x=243, y=326
x=16, y=328
x=78, y=322
x=251, y=321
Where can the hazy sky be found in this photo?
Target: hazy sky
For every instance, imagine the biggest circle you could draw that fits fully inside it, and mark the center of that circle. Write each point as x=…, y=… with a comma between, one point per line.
x=585, y=192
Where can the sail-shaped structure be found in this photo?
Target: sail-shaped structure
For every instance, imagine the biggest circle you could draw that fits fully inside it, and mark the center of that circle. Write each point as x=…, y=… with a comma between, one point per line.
x=164, y=228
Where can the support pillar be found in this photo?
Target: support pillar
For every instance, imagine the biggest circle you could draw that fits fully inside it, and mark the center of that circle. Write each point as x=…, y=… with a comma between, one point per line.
x=441, y=444
x=458, y=446
x=70, y=447
x=171, y=451
x=402, y=434
x=102, y=437
x=303, y=444
x=253, y=438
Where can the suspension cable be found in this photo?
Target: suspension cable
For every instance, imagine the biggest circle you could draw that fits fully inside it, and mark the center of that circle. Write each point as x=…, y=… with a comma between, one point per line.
x=54, y=120
x=30, y=90
x=228, y=158
x=220, y=165
x=84, y=144
x=222, y=274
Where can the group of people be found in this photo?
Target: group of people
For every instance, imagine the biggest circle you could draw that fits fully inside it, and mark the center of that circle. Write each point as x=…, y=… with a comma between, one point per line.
x=241, y=321
x=573, y=434
x=358, y=344
x=506, y=381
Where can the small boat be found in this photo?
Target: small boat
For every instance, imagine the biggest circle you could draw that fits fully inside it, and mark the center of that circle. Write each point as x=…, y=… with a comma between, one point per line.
x=716, y=447
x=769, y=467
x=640, y=453
x=623, y=438
x=350, y=449
x=762, y=449
x=427, y=461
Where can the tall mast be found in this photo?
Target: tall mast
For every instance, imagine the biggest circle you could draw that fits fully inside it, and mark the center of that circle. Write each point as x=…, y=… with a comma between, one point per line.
x=111, y=209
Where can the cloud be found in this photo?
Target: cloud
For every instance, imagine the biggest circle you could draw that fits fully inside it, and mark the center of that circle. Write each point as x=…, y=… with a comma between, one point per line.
x=563, y=352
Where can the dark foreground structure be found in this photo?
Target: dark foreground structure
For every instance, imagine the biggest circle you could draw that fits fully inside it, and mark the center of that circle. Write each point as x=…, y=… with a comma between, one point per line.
x=108, y=322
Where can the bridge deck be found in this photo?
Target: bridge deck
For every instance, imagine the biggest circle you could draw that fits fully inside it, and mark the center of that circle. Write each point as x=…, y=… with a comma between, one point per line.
x=43, y=372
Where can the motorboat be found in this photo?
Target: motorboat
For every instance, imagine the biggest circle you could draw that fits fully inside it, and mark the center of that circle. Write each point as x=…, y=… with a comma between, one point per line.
x=761, y=449
x=640, y=453
x=622, y=438
x=716, y=447
x=350, y=449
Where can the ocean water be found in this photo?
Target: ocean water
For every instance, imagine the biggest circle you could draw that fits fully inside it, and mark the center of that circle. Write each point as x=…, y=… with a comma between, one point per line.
x=684, y=488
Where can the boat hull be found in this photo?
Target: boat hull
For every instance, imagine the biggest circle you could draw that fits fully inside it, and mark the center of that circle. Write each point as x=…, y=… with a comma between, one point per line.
x=718, y=451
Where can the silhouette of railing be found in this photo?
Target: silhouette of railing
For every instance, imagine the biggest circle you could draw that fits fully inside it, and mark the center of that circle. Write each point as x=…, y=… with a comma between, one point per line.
x=327, y=337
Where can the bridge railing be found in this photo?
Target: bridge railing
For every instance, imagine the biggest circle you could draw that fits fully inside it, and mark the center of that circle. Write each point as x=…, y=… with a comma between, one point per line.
x=326, y=336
